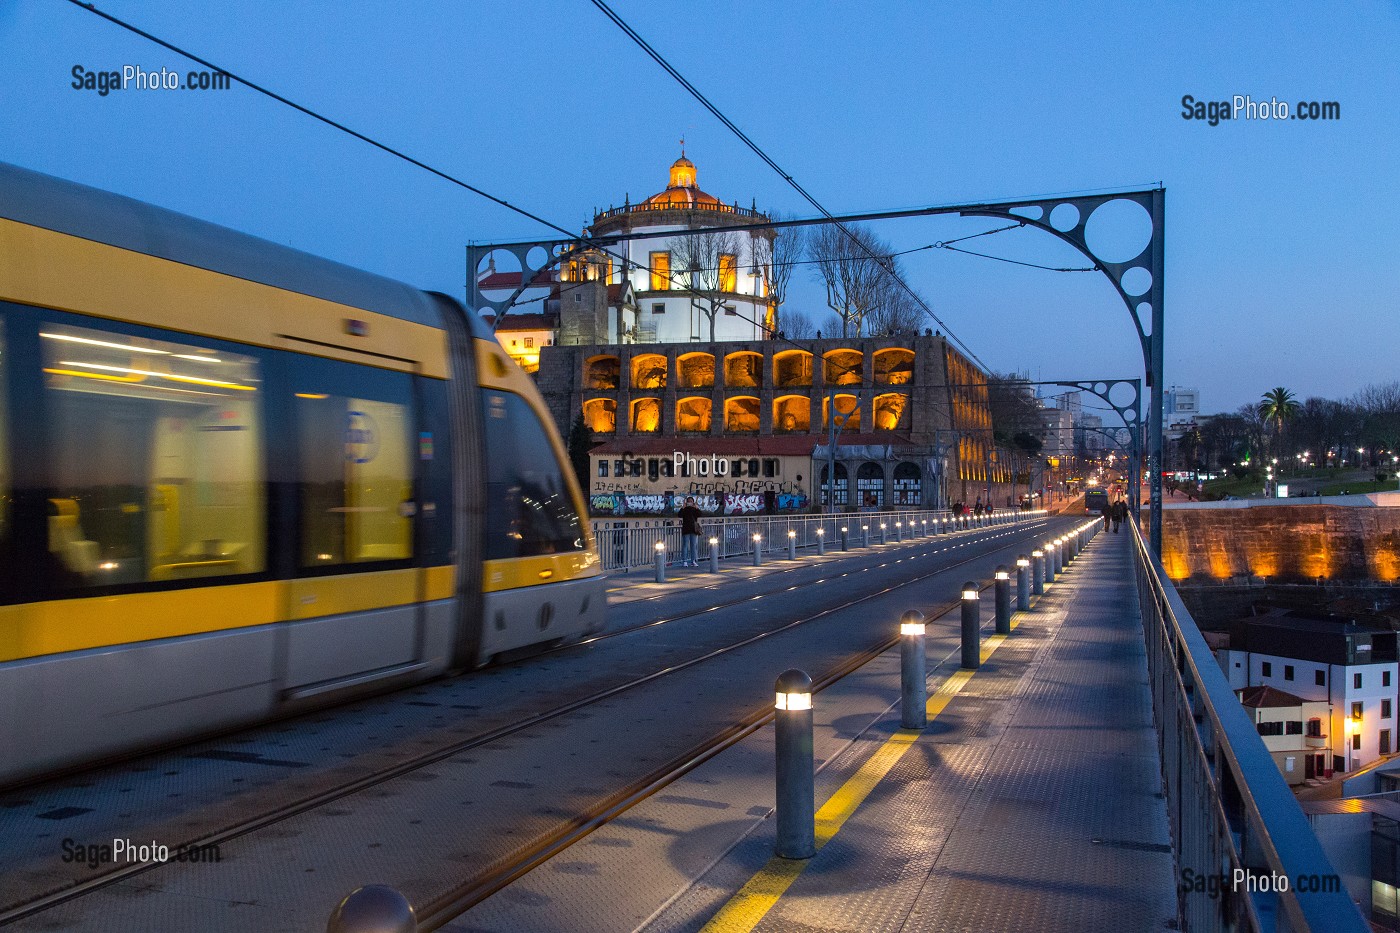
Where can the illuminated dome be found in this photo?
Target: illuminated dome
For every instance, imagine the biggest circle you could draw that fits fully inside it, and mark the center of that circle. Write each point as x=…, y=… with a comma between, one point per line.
x=682, y=192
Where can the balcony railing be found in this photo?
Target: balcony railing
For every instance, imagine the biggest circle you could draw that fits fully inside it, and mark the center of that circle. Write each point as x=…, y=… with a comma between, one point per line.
x=652, y=208
x=1229, y=807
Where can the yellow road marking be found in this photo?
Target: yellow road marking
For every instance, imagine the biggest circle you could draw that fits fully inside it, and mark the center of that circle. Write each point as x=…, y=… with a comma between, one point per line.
x=752, y=902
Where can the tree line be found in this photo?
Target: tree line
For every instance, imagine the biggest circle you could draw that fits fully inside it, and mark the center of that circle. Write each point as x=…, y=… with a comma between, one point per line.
x=1363, y=430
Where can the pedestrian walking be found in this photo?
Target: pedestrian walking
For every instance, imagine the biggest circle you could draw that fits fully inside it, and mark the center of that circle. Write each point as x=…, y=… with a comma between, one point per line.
x=1120, y=512
x=1108, y=517
x=690, y=533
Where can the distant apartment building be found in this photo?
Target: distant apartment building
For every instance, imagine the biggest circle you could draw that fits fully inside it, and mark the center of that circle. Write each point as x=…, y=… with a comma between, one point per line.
x=1349, y=667
x=1180, y=410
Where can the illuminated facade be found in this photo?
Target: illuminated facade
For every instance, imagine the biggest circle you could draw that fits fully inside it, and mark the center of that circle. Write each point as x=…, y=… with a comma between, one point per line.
x=916, y=431
x=660, y=266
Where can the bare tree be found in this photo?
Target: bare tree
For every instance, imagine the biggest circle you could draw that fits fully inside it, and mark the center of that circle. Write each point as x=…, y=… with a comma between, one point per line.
x=896, y=312
x=846, y=264
x=796, y=326
x=697, y=268
x=778, y=253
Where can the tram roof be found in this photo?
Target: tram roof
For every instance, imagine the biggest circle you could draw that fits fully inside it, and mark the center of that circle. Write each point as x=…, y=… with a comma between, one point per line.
x=67, y=207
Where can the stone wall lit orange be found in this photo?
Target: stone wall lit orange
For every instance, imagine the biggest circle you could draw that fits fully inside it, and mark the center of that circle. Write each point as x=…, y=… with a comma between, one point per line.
x=1286, y=542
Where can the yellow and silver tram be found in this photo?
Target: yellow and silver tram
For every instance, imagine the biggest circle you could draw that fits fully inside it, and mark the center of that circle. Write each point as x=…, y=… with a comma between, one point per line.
x=237, y=480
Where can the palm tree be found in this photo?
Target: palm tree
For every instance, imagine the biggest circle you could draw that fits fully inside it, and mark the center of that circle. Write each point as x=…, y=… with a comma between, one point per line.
x=1278, y=406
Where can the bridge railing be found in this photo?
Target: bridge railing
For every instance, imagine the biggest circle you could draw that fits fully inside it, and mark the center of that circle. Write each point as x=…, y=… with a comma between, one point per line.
x=629, y=543
x=1236, y=827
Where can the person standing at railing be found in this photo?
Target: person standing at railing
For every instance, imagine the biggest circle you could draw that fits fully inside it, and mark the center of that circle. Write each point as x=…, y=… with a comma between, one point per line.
x=690, y=533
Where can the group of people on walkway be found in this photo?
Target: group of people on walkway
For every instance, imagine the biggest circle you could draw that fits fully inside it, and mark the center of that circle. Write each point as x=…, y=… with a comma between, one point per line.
x=1113, y=515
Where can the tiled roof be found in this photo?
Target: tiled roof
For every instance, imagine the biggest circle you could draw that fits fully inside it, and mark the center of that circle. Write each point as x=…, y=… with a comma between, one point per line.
x=1266, y=697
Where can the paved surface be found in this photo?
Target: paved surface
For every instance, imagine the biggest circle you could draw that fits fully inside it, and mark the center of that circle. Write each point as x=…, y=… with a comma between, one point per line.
x=1030, y=803
x=444, y=823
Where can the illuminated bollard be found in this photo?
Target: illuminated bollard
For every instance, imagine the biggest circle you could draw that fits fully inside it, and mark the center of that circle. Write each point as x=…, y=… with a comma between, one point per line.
x=971, y=627
x=1023, y=583
x=1059, y=556
x=797, y=837
x=913, y=676
x=898, y=533
x=845, y=538
x=821, y=541
x=1049, y=548
x=374, y=908
x=792, y=544
x=1002, y=589
x=924, y=522
x=714, y=555
x=758, y=550
x=1037, y=571
x=661, y=562
x=883, y=539
x=865, y=536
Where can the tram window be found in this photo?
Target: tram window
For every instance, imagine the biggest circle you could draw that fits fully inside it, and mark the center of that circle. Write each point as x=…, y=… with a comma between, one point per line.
x=531, y=510
x=354, y=426
x=177, y=490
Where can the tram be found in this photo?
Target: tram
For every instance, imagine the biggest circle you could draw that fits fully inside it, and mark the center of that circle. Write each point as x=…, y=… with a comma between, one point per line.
x=237, y=481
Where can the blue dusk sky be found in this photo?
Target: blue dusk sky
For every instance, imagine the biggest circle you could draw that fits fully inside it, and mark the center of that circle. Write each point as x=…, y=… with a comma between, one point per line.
x=1280, y=235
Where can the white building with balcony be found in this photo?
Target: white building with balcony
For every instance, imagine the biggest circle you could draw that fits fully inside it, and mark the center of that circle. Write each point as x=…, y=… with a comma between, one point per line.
x=1349, y=667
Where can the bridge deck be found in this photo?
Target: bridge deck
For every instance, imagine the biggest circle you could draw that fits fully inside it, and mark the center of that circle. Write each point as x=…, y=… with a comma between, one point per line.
x=1030, y=802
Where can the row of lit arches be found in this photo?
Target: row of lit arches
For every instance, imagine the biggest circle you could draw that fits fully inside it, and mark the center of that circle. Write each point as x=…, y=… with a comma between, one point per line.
x=745, y=369
x=791, y=414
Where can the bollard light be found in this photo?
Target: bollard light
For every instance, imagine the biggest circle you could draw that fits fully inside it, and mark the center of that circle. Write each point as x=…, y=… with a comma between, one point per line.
x=821, y=541
x=757, y=550
x=1037, y=571
x=792, y=544
x=661, y=562
x=882, y=533
x=971, y=627
x=845, y=545
x=374, y=908
x=795, y=773
x=865, y=536
x=714, y=555
x=1002, y=591
x=1023, y=583
x=913, y=675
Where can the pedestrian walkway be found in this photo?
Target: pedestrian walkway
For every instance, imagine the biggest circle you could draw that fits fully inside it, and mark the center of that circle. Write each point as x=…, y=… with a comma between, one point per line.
x=1031, y=801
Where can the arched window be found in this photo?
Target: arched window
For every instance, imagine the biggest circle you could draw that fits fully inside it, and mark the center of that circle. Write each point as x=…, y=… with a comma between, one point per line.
x=693, y=414
x=843, y=496
x=847, y=410
x=600, y=414
x=891, y=411
x=744, y=369
x=602, y=372
x=792, y=368
x=908, y=486
x=646, y=415
x=792, y=414
x=649, y=371
x=870, y=485
x=741, y=414
x=844, y=367
x=894, y=367
x=695, y=370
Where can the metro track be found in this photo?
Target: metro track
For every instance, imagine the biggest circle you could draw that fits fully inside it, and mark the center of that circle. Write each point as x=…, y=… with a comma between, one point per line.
x=463, y=896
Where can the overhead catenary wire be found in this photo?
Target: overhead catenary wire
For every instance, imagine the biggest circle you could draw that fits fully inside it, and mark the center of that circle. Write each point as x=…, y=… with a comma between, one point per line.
x=399, y=154
x=888, y=266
